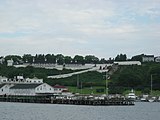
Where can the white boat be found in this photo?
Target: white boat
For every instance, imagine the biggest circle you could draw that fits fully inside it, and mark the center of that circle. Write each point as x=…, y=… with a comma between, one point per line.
x=152, y=99
x=143, y=99
x=131, y=95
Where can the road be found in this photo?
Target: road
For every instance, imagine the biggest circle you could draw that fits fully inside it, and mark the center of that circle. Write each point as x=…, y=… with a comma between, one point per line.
x=76, y=73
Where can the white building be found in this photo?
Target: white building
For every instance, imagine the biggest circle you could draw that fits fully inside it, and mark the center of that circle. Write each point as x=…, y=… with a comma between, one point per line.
x=3, y=79
x=28, y=87
x=10, y=62
x=34, y=80
x=31, y=89
x=128, y=63
x=157, y=59
x=66, y=93
x=4, y=89
x=20, y=80
x=148, y=58
x=21, y=86
x=59, y=89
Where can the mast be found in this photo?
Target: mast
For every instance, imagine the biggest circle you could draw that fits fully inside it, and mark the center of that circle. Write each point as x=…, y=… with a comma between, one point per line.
x=106, y=84
x=151, y=82
x=77, y=81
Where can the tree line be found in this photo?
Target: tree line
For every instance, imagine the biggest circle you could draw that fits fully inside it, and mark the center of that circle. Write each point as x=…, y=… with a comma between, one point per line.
x=59, y=59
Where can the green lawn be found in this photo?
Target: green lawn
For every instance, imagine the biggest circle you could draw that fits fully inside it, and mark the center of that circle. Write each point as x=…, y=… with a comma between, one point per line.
x=93, y=90
x=88, y=90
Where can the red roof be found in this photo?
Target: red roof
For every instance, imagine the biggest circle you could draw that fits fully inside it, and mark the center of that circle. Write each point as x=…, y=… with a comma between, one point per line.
x=59, y=86
x=65, y=91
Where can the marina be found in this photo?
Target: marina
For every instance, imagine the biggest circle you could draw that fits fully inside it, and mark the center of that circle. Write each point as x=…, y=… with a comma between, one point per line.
x=78, y=100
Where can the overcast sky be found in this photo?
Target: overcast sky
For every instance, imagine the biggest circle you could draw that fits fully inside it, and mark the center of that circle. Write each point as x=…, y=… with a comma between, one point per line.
x=103, y=28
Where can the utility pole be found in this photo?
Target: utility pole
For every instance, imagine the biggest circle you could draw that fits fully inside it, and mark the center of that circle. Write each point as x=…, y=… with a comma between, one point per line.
x=77, y=83
x=81, y=87
x=152, y=82
x=106, y=84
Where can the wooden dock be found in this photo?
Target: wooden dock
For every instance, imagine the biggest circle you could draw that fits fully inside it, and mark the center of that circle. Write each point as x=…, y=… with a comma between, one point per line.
x=53, y=100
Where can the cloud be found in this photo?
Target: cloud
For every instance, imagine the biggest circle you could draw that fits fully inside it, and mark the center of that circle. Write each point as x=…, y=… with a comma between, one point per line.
x=86, y=26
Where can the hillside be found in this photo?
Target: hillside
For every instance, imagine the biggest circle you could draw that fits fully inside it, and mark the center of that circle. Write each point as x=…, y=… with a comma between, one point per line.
x=136, y=77
x=125, y=78
x=30, y=71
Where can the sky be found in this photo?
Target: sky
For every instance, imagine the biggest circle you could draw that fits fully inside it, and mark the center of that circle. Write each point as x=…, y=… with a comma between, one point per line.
x=103, y=28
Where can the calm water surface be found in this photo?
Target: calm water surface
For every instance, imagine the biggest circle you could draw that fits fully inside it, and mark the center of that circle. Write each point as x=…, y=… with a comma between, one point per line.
x=27, y=111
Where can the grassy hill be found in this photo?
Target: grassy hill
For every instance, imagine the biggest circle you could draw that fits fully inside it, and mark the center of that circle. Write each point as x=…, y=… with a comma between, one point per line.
x=136, y=77
x=86, y=79
x=125, y=78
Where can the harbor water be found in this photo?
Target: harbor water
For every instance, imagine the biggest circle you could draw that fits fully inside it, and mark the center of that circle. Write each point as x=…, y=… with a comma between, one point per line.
x=30, y=111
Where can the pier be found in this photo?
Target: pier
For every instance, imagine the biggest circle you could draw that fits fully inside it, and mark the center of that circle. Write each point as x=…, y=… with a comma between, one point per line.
x=74, y=101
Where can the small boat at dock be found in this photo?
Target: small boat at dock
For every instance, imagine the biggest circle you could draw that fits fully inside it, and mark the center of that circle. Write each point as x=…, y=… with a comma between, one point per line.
x=132, y=95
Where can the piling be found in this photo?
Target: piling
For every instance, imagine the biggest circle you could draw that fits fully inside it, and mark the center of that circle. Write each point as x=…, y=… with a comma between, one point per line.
x=53, y=100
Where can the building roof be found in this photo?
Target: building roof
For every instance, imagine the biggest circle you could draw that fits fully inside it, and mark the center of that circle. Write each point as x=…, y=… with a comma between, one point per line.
x=1, y=85
x=59, y=86
x=25, y=86
x=65, y=91
x=148, y=56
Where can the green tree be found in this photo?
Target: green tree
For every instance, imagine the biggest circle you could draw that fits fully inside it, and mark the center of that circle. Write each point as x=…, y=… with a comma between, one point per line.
x=60, y=59
x=137, y=58
x=17, y=59
x=39, y=58
x=103, y=61
x=50, y=58
x=79, y=59
x=27, y=58
x=91, y=59
x=121, y=57
x=67, y=60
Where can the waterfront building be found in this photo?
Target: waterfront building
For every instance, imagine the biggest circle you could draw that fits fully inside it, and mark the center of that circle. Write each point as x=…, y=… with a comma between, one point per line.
x=31, y=89
x=4, y=89
x=59, y=89
x=3, y=79
x=66, y=93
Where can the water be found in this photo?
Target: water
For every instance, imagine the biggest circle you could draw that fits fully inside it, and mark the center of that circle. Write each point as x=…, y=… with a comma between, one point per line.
x=27, y=111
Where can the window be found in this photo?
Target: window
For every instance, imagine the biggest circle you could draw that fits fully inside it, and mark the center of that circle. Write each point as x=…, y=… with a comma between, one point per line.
x=4, y=80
